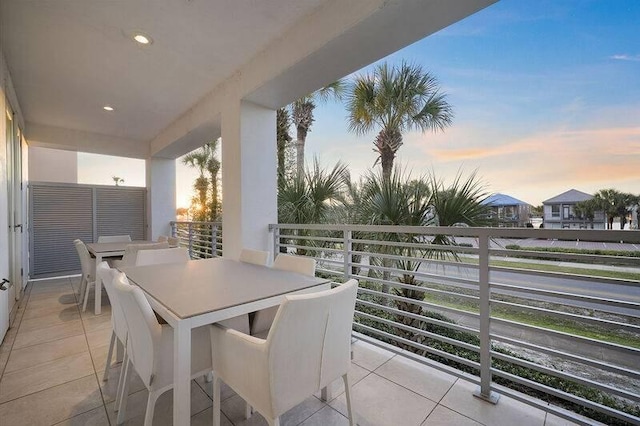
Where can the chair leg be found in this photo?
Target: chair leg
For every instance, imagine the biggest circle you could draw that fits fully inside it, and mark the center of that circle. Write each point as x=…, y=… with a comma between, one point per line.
x=216, y=399
x=347, y=392
x=83, y=285
x=125, y=393
x=86, y=297
x=105, y=377
x=274, y=422
x=125, y=361
x=151, y=405
x=119, y=351
x=248, y=410
x=208, y=378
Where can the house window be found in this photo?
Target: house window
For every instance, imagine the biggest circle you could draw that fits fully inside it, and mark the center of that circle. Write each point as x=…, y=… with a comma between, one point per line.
x=566, y=214
x=555, y=211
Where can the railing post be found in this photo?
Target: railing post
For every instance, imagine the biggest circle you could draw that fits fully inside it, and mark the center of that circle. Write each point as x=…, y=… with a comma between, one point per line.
x=347, y=254
x=191, y=240
x=174, y=231
x=485, y=321
x=214, y=240
x=276, y=240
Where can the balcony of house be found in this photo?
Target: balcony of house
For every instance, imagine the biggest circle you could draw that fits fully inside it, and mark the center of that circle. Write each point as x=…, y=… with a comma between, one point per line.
x=451, y=327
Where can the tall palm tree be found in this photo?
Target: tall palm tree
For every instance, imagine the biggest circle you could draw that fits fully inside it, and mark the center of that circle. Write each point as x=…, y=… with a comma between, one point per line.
x=283, y=138
x=302, y=116
x=396, y=99
x=206, y=161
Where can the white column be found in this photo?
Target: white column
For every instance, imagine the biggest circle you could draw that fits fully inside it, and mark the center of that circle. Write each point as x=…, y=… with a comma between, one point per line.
x=249, y=170
x=161, y=196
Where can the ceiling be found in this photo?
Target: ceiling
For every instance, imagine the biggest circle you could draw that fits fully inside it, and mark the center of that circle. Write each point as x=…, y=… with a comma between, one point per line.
x=69, y=58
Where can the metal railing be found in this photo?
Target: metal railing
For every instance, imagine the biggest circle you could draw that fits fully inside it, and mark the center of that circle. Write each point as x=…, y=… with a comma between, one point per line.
x=203, y=239
x=486, y=305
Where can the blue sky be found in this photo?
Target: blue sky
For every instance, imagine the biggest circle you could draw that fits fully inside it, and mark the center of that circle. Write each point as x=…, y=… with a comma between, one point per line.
x=546, y=96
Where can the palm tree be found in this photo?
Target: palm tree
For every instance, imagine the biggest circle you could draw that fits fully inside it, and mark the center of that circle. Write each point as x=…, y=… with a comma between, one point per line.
x=117, y=180
x=206, y=161
x=283, y=138
x=302, y=116
x=396, y=99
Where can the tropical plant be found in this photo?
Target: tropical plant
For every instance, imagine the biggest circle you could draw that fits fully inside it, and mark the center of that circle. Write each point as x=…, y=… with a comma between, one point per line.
x=396, y=99
x=206, y=161
x=283, y=139
x=587, y=210
x=302, y=116
x=615, y=204
x=117, y=180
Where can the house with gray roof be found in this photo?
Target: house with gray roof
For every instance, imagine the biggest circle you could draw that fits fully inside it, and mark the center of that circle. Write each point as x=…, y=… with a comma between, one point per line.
x=507, y=211
x=560, y=212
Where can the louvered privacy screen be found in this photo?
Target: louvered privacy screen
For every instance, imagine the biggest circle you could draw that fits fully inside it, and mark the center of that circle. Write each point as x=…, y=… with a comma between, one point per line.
x=60, y=213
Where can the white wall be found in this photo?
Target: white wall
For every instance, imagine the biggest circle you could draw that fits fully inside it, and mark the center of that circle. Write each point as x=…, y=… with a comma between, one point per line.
x=52, y=165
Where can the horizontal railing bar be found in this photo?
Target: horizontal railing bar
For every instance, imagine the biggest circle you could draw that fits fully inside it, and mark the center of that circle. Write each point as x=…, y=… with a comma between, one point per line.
x=563, y=275
x=422, y=347
x=417, y=259
x=574, y=317
x=566, y=396
x=419, y=302
x=417, y=358
x=556, y=255
x=418, y=331
x=565, y=295
x=429, y=320
x=550, y=332
x=311, y=248
x=311, y=238
x=424, y=246
x=595, y=235
x=576, y=358
x=566, y=376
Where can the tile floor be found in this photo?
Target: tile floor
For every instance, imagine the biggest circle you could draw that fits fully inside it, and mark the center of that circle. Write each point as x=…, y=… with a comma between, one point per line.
x=52, y=360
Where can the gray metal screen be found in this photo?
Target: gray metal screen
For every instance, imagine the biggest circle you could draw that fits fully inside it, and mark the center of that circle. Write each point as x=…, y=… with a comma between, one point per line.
x=60, y=213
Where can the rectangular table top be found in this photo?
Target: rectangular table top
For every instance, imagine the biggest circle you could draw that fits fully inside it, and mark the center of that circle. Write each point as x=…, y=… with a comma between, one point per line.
x=201, y=286
x=112, y=247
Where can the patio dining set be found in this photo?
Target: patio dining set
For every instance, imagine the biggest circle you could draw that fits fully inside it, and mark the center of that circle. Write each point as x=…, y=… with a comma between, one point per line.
x=237, y=321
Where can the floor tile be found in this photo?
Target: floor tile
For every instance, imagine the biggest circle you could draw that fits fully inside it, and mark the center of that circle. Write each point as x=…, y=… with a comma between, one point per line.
x=369, y=356
x=506, y=412
x=205, y=418
x=48, y=334
x=356, y=373
x=442, y=416
x=422, y=379
x=35, y=355
x=29, y=380
x=326, y=417
x=380, y=402
x=163, y=415
x=553, y=420
x=97, y=322
x=234, y=409
x=53, y=405
x=225, y=390
x=109, y=387
x=99, y=338
x=55, y=318
x=95, y=417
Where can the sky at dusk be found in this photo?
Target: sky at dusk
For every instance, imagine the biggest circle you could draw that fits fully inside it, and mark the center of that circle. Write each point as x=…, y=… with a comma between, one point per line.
x=546, y=96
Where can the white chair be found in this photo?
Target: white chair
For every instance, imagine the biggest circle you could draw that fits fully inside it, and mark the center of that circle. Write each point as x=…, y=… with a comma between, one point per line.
x=150, y=348
x=114, y=239
x=88, y=272
x=167, y=255
x=257, y=257
x=306, y=350
x=131, y=253
x=261, y=321
x=119, y=328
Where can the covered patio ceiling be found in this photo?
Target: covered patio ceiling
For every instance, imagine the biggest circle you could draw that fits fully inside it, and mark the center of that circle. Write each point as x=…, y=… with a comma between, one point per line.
x=69, y=58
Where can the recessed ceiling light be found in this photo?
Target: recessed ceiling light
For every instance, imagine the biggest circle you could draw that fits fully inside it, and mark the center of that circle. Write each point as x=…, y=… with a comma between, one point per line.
x=142, y=38
x=107, y=108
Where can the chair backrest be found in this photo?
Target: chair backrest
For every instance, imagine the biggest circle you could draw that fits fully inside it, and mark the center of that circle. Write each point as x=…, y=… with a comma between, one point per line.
x=257, y=257
x=167, y=255
x=85, y=259
x=309, y=344
x=118, y=321
x=131, y=251
x=144, y=329
x=114, y=238
x=301, y=264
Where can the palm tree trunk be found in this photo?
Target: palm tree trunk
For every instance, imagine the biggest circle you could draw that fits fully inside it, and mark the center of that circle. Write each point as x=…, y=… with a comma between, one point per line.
x=301, y=134
x=387, y=144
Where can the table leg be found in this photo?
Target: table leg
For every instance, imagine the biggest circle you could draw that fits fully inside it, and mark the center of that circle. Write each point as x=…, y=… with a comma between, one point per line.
x=98, y=288
x=182, y=374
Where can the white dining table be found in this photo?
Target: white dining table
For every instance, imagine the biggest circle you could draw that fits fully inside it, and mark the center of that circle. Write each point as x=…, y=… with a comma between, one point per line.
x=103, y=251
x=200, y=292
